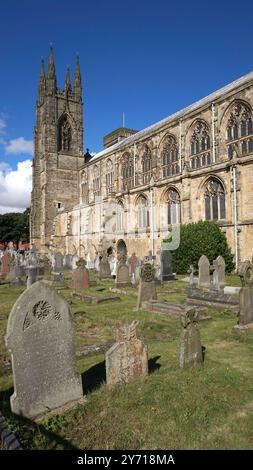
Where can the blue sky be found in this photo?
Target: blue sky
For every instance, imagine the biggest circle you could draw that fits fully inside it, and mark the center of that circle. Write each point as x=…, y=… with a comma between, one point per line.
x=147, y=59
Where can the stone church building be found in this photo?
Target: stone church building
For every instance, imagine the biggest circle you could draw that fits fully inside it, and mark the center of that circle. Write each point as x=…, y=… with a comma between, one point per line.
x=197, y=164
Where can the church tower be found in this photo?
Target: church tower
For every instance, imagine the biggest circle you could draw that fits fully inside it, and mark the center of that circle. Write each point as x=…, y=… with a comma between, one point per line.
x=58, y=150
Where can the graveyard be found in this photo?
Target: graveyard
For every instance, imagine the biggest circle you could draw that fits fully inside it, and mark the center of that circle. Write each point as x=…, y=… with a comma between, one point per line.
x=187, y=378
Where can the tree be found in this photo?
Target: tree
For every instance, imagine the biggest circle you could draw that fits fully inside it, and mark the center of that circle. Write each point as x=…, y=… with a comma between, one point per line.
x=14, y=227
x=201, y=238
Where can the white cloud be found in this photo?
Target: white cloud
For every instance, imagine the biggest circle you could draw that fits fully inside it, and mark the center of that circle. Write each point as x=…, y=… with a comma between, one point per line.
x=15, y=187
x=19, y=145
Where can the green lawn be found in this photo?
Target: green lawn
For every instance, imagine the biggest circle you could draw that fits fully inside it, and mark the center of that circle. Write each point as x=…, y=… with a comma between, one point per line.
x=204, y=408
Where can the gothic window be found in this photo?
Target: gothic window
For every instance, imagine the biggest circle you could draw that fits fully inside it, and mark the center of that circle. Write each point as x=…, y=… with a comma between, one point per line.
x=64, y=134
x=170, y=157
x=146, y=165
x=200, y=145
x=143, y=212
x=239, y=127
x=109, y=176
x=214, y=194
x=96, y=181
x=120, y=217
x=127, y=172
x=173, y=207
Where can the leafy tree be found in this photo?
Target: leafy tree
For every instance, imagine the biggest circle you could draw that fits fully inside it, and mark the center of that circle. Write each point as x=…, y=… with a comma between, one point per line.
x=197, y=239
x=14, y=227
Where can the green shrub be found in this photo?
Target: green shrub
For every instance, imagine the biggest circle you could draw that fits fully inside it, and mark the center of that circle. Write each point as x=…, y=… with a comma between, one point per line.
x=201, y=238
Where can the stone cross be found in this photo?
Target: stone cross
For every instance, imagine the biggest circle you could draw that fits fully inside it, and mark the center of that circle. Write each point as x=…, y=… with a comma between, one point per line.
x=147, y=286
x=40, y=337
x=127, y=359
x=204, y=271
x=190, y=345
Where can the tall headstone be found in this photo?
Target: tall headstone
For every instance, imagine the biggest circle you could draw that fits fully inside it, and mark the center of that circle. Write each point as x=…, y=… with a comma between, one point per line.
x=221, y=270
x=40, y=337
x=104, y=267
x=127, y=359
x=204, y=271
x=122, y=275
x=245, y=315
x=31, y=272
x=147, y=286
x=166, y=266
x=190, y=344
x=5, y=265
x=80, y=276
x=215, y=286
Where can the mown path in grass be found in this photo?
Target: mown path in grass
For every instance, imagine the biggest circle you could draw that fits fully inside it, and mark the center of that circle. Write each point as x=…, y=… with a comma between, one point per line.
x=204, y=408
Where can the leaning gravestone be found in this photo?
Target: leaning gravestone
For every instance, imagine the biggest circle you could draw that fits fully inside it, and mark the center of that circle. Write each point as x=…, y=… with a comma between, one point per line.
x=221, y=270
x=127, y=359
x=245, y=315
x=147, y=286
x=40, y=337
x=190, y=345
x=166, y=266
x=80, y=276
x=204, y=271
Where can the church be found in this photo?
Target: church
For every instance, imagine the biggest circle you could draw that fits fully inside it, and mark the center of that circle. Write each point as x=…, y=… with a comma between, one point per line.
x=196, y=164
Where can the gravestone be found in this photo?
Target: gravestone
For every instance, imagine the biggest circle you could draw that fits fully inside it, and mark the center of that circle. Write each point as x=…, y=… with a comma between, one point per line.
x=215, y=286
x=221, y=270
x=5, y=265
x=122, y=276
x=245, y=315
x=58, y=262
x=104, y=268
x=80, y=276
x=58, y=278
x=31, y=272
x=40, y=337
x=204, y=271
x=166, y=266
x=68, y=261
x=127, y=359
x=190, y=344
x=147, y=286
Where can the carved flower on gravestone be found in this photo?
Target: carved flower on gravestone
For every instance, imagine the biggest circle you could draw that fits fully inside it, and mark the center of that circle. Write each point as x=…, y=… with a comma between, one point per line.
x=147, y=272
x=42, y=310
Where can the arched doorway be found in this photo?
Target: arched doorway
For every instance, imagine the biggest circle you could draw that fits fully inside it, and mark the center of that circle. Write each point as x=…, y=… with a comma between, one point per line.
x=121, y=247
x=110, y=251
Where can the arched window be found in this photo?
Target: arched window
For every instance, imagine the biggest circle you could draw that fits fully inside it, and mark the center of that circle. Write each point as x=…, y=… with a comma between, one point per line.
x=200, y=145
x=96, y=181
x=146, y=165
x=64, y=134
x=239, y=128
x=109, y=176
x=170, y=156
x=120, y=217
x=173, y=207
x=143, y=212
x=214, y=194
x=127, y=172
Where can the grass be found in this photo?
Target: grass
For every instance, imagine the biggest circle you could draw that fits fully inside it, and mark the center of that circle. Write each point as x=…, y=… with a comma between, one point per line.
x=209, y=407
